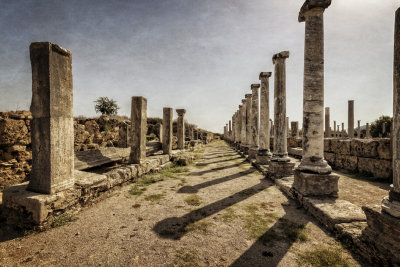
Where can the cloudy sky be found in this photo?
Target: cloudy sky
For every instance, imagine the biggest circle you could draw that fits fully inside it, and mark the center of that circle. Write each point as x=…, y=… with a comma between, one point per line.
x=201, y=55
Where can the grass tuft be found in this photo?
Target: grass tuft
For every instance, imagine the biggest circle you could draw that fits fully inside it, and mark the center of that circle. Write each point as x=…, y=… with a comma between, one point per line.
x=321, y=257
x=185, y=258
x=62, y=219
x=200, y=226
x=193, y=200
x=155, y=198
x=229, y=215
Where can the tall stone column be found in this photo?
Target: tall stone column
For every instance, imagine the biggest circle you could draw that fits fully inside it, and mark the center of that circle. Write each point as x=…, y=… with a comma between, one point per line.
x=272, y=127
x=313, y=175
x=225, y=132
x=334, y=129
x=358, y=129
x=138, y=129
x=160, y=132
x=181, y=128
x=230, y=130
x=327, y=123
x=343, y=131
x=52, y=127
x=287, y=126
x=248, y=122
x=295, y=129
x=233, y=127
x=391, y=204
x=243, y=125
x=338, y=131
x=280, y=163
x=253, y=150
x=167, y=131
x=264, y=154
x=350, y=119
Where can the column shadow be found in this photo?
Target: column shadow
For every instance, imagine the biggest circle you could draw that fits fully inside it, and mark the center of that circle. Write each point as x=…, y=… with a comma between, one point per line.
x=174, y=227
x=219, y=161
x=218, y=168
x=194, y=189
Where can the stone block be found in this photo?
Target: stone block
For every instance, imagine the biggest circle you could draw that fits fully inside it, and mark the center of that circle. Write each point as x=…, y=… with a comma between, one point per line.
x=327, y=145
x=366, y=148
x=330, y=158
x=296, y=152
x=253, y=153
x=383, y=235
x=278, y=169
x=331, y=212
x=384, y=149
x=310, y=184
x=340, y=146
x=376, y=167
x=346, y=162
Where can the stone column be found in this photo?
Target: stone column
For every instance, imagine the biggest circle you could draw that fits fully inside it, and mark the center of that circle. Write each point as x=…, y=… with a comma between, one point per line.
x=230, y=130
x=253, y=150
x=334, y=129
x=52, y=127
x=167, y=131
x=287, y=126
x=295, y=129
x=264, y=154
x=272, y=127
x=243, y=125
x=383, y=129
x=313, y=175
x=181, y=128
x=160, y=133
x=225, y=132
x=280, y=163
x=350, y=119
x=138, y=129
x=327, y=123
x=338, y=131
x=248, y=121
x=343, y=131
x=233, y=127
x=358, y=129
x=391, y=204
x=367, y=133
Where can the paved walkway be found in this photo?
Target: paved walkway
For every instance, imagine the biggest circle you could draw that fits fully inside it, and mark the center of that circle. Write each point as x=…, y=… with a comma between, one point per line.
x=219, y=211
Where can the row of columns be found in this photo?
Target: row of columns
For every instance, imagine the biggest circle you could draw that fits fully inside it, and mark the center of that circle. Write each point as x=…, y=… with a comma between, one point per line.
x=53, y=127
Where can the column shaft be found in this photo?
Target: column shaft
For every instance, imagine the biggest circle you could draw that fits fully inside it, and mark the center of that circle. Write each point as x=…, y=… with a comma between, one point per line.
x=138, y=129
x=249, y=140
x=181, y=128
x=327, y=123
x=350, y=119
x=264, y=136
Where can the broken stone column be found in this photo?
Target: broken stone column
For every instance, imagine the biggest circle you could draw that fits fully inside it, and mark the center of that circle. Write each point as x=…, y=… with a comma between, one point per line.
x=280, y=165
x=264, y=154
x=350, y=119
x=138, y=129
x=295, y=129
x=367, y=133
x=358, y=129
x=167, y=131
x=181, y=128
x=334, y=129
x=253, y=149
x=338, y=131
x=327, y=123
x=52, y=126
x=313, y=175
x=383, y=129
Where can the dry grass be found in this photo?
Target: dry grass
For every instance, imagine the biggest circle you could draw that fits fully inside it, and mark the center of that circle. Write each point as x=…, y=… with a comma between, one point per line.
x=193, y=200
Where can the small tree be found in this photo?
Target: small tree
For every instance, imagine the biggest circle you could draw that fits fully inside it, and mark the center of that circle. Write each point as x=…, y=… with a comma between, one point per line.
x=376, y=126
x=106, y=106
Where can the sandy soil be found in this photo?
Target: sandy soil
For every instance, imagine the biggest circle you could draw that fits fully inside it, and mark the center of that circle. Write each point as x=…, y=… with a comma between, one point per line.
x=232, y=216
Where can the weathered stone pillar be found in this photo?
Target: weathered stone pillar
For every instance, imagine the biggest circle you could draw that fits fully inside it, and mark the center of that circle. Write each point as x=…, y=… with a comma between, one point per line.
x=338, y=131
x=334, y=129
x=225, y=132
x=52, y=127
x=167, y=131
x=327, y=123
x=280, y=163
x=358, y=129
x=253, y=150
x=295, y=129
x=312, y=176
x=233, y=127
x=343, y=131
x=350, y=119
x=230, y=130
x=181, y=128
x=243, y=123
x=138, y=129
x=383, y=129
x=391, y=204
x=272, y=127
x=264, y=154
x=367, y=133
x=287, y=126
x=248, y=121
x=160, y=132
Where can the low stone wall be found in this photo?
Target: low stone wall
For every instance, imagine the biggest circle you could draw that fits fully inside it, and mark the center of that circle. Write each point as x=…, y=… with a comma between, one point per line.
x=367, y=156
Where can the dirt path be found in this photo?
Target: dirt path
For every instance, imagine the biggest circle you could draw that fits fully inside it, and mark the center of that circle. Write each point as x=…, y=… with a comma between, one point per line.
x=217, y=212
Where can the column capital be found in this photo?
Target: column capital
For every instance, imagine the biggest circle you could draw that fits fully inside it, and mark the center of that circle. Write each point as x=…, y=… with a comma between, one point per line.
x=264, y=75
x=240, y=106
x=255, y=86
x=181, y=112
x=313, y=5
x=282, y=55
x=244, y=101
x=247, y=96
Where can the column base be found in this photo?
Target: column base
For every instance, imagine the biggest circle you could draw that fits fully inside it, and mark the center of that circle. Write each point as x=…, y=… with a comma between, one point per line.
x=253, y=151
x=280, y=157
x=314, y=166
x=382, y=235
x=263, y=157
x=318, y=185
x=280, y=169
x=391, y=205
x=244, y=149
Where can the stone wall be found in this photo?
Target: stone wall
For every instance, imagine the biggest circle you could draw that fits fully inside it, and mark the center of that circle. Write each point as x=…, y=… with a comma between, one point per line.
x=89, y=133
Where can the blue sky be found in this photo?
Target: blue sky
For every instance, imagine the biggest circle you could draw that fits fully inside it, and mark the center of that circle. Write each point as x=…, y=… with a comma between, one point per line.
x=201, y=55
